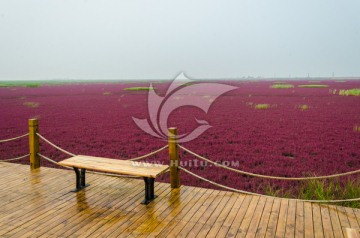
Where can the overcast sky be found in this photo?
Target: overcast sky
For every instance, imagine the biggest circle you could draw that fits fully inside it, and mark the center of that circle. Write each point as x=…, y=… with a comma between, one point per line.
x=133, y=39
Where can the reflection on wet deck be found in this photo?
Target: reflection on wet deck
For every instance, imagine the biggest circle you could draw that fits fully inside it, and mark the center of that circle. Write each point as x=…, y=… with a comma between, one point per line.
x=40, y=204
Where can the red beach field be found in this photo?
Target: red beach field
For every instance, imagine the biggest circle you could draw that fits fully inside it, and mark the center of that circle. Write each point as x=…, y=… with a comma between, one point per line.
x=292, y=132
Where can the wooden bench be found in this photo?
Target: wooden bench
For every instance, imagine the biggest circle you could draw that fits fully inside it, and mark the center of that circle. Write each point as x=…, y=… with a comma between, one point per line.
x=148, y=171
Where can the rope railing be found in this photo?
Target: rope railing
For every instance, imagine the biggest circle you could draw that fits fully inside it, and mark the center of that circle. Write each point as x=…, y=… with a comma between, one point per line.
x=17, y=158
x=268, y=176
x=53, y=145
x=257, y=194
x=71, y=154
x=15, y=138
x=101, y=173
x=52, y=161
x=149, y=154
x=174, y=170
x=93, y=172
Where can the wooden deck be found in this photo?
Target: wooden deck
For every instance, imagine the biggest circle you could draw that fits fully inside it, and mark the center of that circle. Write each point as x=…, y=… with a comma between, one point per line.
x=39, y=204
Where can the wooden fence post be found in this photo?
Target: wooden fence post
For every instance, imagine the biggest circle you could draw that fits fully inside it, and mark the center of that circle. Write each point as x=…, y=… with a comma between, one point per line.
x=174, y=158
x=34, y=144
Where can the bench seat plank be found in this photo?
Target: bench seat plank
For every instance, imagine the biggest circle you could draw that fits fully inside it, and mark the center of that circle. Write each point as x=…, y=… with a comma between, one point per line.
x=115, y=166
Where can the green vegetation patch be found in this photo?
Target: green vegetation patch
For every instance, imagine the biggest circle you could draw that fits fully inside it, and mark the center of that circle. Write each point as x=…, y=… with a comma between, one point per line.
x=188, y=84
x=32, y=85
x=357, y=128
x=262, y=106
x=31, y=104
x=350, y=92
x=282, y=86
x=331, y=189
x=138, y=89
x=16, y=84
x=313, y=86
x=303, y=107
x=4, y=85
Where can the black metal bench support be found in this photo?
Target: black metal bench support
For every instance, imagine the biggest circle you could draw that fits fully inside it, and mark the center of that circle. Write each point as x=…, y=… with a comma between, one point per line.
x=149, y=190
x=149, y=185
x=80, y=179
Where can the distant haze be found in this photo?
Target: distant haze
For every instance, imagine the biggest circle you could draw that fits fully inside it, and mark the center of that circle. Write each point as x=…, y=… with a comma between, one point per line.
x=134, y=39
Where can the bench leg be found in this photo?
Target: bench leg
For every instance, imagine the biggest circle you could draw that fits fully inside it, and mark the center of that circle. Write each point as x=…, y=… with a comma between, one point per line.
x=80, y=179
x=149, y=190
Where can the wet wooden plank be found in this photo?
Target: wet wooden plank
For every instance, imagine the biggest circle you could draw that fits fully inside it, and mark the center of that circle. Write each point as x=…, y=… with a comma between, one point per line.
x=167, y=218
x=154, y=225
x=111, y=207
x=290, y=221
x=254, y=223
x=352, y=233
x=344, y=221
x=281, y=224
x=181, y=226
x=231, y=217
x=357, y=214
x=352, y=218
x=299, y=220
x=211, y=220
x=318, y=226
x=233, y=230
x=213, y=225
x=326, y=221
x=335, y=221
x=34, y=207
x=179, y=214
x=202, y=225
x=95, y=212
x=265, y=217
x=137, y=227
x=308, y=221
x=273, y=220
x=44, y=222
